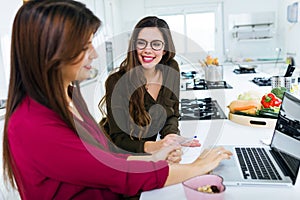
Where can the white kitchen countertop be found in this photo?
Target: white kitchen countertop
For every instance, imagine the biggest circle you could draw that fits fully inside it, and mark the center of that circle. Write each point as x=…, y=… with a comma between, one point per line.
x=229, y=133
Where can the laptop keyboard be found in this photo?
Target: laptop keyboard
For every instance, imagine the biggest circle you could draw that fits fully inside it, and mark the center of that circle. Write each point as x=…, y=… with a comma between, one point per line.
x=256, y=164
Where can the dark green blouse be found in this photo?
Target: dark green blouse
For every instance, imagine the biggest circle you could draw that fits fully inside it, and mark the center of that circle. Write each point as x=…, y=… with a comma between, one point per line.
x=164, y=111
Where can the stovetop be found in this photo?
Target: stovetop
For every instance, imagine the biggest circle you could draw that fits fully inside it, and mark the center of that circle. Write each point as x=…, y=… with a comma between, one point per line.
x=200, y=109
x=201, y=84
x=244, y=71
x=196, y=83
x=262, y=81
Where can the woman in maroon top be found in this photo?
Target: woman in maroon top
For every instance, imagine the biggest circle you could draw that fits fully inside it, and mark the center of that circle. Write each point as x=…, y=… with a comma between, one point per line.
x=52, y=147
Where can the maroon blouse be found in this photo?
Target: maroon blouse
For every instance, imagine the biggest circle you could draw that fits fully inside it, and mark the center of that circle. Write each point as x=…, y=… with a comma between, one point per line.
x=52, y=162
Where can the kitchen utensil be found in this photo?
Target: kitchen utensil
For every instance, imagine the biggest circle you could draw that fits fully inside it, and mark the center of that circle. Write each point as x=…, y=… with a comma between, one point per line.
x=214, y=73
x=289, y=71
x=281, y=81
x=291, y=67
x=249, y=67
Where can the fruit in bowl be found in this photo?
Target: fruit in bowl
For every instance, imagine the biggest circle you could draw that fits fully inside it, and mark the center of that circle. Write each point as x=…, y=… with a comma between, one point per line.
x=205, y=187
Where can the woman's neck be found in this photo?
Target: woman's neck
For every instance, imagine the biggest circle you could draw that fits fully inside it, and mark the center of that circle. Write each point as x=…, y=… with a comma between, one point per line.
x=151, y=75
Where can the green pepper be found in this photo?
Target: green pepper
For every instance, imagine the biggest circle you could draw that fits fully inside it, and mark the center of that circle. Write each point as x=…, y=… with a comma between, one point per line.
x=270, y=100
x=279, y=91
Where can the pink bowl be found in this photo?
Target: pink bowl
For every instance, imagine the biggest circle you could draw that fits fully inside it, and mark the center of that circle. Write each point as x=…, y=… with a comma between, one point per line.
x=190, y=187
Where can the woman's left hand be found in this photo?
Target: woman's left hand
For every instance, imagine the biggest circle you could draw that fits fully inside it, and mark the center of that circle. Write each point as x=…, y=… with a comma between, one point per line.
x=171, y=153
x=175, y=156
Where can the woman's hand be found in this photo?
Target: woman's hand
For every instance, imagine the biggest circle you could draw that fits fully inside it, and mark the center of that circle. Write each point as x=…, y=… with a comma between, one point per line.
x=175, y=156
x=210, y=159
x=170, y=139
x=171, y=153
x=205, y=163
x=190, y=142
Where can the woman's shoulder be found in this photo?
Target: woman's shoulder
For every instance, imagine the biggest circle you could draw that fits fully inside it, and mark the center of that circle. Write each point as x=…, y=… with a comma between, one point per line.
x=173, y=64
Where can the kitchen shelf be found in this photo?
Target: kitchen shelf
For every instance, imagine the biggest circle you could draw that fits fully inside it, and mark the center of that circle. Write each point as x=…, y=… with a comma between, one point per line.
x=253, y=25
x=251, y=32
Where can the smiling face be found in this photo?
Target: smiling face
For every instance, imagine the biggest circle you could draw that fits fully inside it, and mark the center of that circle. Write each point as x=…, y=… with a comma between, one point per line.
x=148, y=57
x=80, y=70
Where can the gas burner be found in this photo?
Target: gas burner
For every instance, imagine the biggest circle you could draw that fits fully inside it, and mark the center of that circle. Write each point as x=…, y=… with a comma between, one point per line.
x=188, y=75
x=200, y=109
x=201, y=84
x=244, y=71
x=217, y=85
x=262, y=81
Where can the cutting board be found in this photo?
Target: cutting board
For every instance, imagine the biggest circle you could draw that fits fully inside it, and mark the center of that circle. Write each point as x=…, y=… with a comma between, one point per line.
x=252, y=121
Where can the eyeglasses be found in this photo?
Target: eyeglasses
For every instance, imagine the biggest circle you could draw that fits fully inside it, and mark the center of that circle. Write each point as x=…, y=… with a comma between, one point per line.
x=156, y=45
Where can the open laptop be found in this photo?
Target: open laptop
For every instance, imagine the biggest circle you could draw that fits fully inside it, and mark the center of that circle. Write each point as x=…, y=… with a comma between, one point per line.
x=280, y=159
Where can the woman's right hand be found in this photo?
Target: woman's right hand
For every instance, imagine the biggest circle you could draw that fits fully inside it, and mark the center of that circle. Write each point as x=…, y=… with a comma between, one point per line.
x=210, y=159
x=170, y=139
x=205, y=163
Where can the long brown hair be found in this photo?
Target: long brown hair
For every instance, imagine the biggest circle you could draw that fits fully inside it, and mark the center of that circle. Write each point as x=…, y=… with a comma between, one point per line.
x=137, y=109
x=46, y=35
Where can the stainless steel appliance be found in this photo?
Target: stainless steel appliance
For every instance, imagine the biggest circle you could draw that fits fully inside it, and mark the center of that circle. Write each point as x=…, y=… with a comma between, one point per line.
x=200, y=109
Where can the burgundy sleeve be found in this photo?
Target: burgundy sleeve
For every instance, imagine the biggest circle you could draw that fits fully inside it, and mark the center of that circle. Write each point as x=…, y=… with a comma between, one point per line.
x=56, y=152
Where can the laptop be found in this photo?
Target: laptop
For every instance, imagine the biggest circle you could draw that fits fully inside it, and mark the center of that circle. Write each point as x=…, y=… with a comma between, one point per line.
x=280, y=160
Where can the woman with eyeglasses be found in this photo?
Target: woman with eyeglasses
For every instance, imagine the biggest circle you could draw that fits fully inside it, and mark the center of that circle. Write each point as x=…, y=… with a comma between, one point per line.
x=142, y=97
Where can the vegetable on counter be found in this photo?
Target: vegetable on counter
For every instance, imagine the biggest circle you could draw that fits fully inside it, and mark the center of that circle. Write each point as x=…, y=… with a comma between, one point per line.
x=269, y=112
x=270, y=100
x=246, y=106
x=250, y=95
x=255, y=104
x=279, y=91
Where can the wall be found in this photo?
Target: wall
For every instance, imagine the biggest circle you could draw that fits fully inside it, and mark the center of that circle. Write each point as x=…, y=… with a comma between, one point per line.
x=290, y=33
x=144, y=8
x=254, y=49
x=7, y=13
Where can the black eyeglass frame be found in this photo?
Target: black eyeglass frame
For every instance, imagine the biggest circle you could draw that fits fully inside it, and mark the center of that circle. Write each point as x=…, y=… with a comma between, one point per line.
x=151, y=44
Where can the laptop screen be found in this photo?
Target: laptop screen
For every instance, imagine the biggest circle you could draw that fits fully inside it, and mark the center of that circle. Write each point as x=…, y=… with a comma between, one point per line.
x=286, y=138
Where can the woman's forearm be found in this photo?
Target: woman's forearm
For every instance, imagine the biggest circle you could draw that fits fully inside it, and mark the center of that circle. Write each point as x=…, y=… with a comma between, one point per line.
x=142, y=158
x=181, y=172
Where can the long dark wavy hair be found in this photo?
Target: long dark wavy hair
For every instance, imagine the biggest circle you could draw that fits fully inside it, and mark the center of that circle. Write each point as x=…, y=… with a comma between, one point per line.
x=46, y=35
x=136, y=105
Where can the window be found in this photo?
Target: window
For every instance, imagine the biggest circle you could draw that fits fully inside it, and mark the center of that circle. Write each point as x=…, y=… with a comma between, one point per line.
x=201, y=28
x=192, y=31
